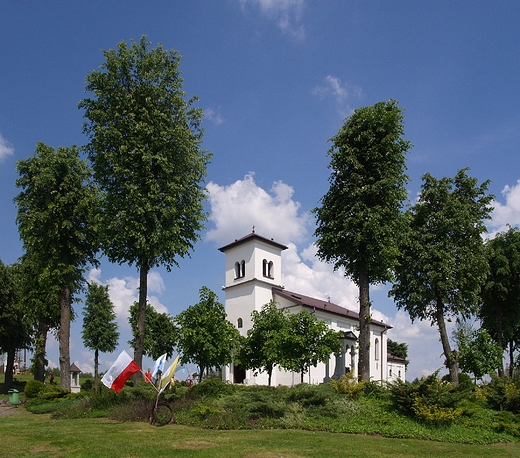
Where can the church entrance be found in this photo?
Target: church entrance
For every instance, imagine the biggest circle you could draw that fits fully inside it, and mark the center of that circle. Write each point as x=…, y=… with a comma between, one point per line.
x=239, y=374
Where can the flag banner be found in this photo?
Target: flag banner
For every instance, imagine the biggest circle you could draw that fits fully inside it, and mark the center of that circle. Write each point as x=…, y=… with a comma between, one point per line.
x=120, y=372
x=168, y=375
x=158, y=366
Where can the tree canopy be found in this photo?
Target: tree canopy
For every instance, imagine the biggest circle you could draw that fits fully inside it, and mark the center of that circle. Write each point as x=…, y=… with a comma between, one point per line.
x=307, y=341
x=263, y=347
x=145, y=148
x=206, y=337
x=99, y=326
x=160, y=335
x=56, y=209
x=15, y=330
x=360, y=218
x=443, y=261
x=499, y=310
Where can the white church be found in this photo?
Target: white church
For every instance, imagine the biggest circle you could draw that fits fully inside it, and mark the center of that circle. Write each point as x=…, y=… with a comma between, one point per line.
x=254, y=278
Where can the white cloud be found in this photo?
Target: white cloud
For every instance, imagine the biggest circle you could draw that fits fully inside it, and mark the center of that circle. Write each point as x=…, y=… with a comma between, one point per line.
x=508, y=213
x=124, y=292
x=214, y=116
x=6, y=149
x=239, y=206
x=287, y=14
x=342, y=93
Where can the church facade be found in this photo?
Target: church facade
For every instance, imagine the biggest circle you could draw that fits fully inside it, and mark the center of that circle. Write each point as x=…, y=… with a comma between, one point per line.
x=254, y=278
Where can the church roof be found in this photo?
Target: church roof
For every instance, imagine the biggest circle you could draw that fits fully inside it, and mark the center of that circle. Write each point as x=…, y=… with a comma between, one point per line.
x=252, y=236
x=319, y=304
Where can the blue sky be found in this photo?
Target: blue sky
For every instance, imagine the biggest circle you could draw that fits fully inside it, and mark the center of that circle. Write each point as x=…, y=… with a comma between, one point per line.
x=276, y=79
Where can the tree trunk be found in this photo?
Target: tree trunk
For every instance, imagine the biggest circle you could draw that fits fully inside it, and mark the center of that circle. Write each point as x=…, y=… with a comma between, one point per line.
x=39, y=351
x=96, y=370
x=364, y=327
x=451, y=356
x=511, y=358
x=139, y=339
x=500, y=338
x=64, y=334
x=9, y=371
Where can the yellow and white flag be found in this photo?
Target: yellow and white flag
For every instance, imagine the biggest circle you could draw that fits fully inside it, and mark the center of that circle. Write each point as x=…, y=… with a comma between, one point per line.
x=167, y=377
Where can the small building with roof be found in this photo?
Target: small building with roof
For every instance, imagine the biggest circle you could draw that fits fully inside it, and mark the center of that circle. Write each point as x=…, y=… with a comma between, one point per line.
x=254, y=278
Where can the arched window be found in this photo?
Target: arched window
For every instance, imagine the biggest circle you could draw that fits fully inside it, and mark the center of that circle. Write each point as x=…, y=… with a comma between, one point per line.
x=240, y=323
x=377, y=349
x=390, y=372
x=240, y=269
x=270, y=269
x=264, y=267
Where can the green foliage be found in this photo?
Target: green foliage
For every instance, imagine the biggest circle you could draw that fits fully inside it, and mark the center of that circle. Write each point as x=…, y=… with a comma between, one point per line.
x=503, y=394
x=33, y=388
x=160, y=335
x=145, y=149
x=430, y=399
x=499, y=309
x=478, y=353
x=99, y=326
x=442, y=262
x=368, y=164
x=398, y=349
x=306, y=341
x=360, y=221
x=206, y=337
x=56, y=222
x=262, y=348
x=433, y=414
x=348, y=385
x=212, y=387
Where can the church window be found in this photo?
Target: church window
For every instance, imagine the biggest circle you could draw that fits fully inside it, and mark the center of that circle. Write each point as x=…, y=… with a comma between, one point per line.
x=267, y=268
x=240, y=269
x=390, y=372
x=377, y=349
x=240, y=323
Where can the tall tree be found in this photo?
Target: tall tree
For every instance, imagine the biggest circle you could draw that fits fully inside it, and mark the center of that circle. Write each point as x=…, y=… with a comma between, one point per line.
x=99, y=326
x=15, y=330
x=56, y=209
x=145, y=147
x=206, y=337
x=160, y=335
x=500, y=307
x=42, y=302
x=307, y=341
x=263, y=347
x=360, y=220
x=443, y=261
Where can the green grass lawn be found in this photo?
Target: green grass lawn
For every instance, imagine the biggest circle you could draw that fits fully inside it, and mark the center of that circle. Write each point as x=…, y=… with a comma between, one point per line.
x=25, y=434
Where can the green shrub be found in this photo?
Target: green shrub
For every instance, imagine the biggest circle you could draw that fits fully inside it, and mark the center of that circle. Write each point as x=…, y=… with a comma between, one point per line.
x=307, y=396
x=212, y=387
x=33, y=388
x=203, y=410
x=433, y=414
x=349, y=385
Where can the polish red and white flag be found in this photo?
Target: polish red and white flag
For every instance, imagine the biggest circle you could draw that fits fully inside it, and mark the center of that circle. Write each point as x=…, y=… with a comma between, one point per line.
x=120, y=372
